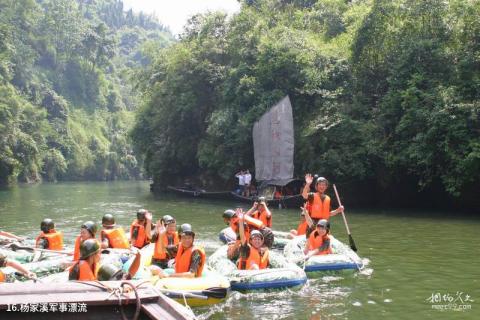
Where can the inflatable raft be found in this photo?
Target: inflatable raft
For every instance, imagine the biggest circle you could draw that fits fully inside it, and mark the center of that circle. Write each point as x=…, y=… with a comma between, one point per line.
x=210, y=288
x=41, y=268
x=282, y=274
x=342, y=258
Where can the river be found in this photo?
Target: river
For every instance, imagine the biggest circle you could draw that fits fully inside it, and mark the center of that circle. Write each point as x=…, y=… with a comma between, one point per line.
x=418, y=262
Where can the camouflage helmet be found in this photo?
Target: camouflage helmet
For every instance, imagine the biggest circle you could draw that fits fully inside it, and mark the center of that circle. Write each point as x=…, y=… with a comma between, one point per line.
x=88, y=248
x=109, y=272
x=108, y=220
x=46, y=225
x=90, y=226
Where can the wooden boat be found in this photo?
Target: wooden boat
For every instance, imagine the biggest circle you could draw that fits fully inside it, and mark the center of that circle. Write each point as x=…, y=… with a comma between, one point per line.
x=200, y=193
x=294, y=201
x=285, y=188
x=88, y=300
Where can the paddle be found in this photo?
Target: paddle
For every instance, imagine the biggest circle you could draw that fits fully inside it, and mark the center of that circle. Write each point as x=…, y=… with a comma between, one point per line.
x=16, y=247
x=350, y=238
x=215, y=292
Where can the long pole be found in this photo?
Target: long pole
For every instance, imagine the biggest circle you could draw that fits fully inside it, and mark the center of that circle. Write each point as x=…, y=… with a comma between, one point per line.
x=350, y=238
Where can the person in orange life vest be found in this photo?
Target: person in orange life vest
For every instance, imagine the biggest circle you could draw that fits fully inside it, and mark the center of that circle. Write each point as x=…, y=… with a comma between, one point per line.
x=302, y=227
x=87, y=231
x=260, y=211
x=318, y=242
x=319, y=207
x=4, y=262
x=86, y=268
x=49, y=238
x=112, y=236
x=166, y=241
x=190, y=259
x=230, y=217
x=141, y=228
x=253, y=255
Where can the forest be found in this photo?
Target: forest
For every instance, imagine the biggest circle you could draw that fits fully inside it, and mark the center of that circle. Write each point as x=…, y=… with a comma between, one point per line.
x=67, y=101
x=385, y=96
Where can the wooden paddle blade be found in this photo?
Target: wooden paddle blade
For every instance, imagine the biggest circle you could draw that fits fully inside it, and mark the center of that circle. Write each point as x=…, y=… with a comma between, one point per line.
x=352, y=243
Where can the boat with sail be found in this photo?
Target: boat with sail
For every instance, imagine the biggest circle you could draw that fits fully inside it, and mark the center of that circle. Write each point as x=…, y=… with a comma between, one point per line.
x=273, y=145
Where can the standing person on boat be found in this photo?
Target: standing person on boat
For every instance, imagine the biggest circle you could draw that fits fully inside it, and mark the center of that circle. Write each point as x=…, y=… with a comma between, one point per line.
x=248, y=182
x=86, y=268
x=4, y=262
x=241, y=182
x=112, y=236
x=88, y=231
x=319, y=206
x=318, y=242
x=166, y=241
x=140, y=230
x=260, y=211
x=48, y=237
x=253, y=255
x=190, y=259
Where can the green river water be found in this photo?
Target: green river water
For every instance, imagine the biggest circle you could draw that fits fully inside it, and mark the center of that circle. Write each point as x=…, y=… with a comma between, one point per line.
x=411, y=257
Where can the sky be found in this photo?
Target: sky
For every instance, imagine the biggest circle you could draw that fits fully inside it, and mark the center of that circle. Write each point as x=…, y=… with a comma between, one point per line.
x=175, y=13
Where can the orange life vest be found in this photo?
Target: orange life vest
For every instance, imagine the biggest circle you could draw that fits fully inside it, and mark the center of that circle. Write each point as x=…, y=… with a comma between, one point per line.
x=158, y=253
x=262, y=216
x=2, y=276
x=141, y=239
x=315, y=242
x=55, y=240
x=254, y=258
x=116, y=238
x=320, y=209
x=236, y=228
x=253, y=223
x=85, y=272
x=184, y=257
x=302, y=228
x=76, y=251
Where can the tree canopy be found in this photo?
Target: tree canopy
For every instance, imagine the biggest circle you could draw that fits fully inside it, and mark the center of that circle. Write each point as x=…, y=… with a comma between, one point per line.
x=66, y=99
x=385, y=94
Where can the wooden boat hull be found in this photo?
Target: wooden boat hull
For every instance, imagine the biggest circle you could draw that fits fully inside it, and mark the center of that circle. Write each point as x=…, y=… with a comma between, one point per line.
x=294, y=201
x=222, y=195
x=98, y=302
